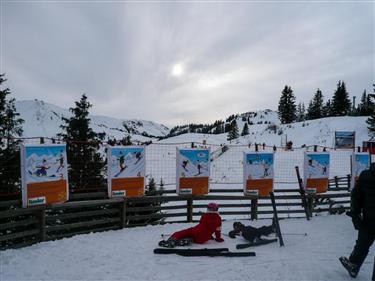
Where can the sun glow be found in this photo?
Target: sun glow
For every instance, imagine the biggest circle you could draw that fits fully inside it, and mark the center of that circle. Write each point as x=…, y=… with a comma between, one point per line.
x=177, y=70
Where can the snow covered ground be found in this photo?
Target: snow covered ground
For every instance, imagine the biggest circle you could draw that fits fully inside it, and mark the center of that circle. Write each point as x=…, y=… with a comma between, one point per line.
x=127, y=255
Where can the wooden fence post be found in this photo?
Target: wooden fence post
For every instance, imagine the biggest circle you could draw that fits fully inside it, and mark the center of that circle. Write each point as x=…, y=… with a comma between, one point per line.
x=123, y=214
x=254, y=209
x=189, y=206
x=42, y=224
x=337, y=182
x=349, y=179
x=310, y=202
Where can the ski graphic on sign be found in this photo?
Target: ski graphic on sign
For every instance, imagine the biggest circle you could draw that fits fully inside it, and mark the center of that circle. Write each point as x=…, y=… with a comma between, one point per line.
x=316, y=172
x=258, y=173
x=126, y=171
x=193, y=170
x=44, y=174
x=360, y=162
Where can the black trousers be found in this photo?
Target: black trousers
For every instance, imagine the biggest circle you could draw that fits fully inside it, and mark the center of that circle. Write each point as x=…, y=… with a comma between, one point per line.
x=362, y=246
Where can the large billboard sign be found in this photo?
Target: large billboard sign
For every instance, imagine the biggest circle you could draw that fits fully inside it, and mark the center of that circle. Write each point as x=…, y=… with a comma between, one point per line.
x=316, y=172
x=258, y=171
x=360, y=162
x=193, y=170
x=345, y=139
x=44, y=174
x=126, y=171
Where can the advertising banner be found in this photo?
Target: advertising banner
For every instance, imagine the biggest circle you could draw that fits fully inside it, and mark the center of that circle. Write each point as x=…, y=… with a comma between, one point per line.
x=360, y=162
x=345, y=139
x=258, y=171
x=316, y=172
x=193, y=170
x=126, y=171
x=44, y=174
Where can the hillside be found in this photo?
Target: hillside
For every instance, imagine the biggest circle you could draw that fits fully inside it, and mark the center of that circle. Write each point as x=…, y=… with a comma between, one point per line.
x=320, y=132
x=44, y=119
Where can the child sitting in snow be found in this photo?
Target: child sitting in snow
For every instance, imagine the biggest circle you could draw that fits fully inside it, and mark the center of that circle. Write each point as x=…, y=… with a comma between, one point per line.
x=209, y=224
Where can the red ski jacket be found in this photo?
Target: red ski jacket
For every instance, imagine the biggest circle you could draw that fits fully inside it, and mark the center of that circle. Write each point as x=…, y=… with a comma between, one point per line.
x=209, y=223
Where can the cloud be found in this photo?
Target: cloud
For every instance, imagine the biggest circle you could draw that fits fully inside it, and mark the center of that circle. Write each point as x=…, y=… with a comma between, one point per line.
x=237, y=56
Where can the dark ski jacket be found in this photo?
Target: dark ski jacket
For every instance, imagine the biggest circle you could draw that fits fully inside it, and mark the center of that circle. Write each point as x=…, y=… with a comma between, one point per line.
x=248, y=232
x=363, y=198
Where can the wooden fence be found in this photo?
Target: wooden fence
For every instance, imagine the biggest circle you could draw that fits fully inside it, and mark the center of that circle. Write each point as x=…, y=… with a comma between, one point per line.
x=90, y=212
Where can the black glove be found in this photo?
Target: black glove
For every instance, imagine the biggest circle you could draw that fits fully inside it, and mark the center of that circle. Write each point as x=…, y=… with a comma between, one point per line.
x=219, y=240
x=357, y=221
x=232, y=234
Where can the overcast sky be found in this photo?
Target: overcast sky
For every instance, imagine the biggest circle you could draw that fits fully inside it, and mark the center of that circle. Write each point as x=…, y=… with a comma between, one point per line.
x=177, y=63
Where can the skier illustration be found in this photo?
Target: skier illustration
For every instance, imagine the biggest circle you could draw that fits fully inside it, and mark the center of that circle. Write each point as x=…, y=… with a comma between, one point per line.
x=199, y=166
x=184, y=164
x=42, y=169
x=324, y=168
x=138, y=156
x=121, y=162
x=60, y=160
x=266, y=167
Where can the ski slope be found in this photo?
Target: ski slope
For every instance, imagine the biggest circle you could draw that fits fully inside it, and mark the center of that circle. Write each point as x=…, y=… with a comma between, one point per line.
x=127, y=255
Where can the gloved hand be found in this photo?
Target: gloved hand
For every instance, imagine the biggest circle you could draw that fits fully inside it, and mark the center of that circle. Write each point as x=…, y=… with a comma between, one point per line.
x=219, y=239
x=357, y=221
x=232, y=234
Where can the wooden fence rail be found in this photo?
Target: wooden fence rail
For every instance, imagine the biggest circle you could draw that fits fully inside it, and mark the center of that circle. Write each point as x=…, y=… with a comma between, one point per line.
x=21, y=227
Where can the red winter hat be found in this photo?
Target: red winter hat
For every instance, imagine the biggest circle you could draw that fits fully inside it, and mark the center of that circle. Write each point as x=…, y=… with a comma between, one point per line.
x=213, y=206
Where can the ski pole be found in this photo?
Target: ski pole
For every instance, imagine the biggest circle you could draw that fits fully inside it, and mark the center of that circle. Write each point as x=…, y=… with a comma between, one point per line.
x=300, y=234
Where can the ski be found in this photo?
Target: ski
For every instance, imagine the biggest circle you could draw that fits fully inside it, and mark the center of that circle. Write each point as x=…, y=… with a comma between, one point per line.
x=257, y=243
x=197, y=251
x=218, y=254
x=276, y=220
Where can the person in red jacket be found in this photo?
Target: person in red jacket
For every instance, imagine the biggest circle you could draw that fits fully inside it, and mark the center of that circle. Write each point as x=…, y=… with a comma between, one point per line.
x=209, y=224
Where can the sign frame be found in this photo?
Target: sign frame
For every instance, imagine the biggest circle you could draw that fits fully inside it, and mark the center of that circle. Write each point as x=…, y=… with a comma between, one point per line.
x=260, y=185
x=195, y=183
x=134, y=185
x=29, y=179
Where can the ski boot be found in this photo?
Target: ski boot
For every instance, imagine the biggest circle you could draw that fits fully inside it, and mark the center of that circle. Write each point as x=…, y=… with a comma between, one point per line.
x=352, y=268
x=170, y=243
x=184, y=242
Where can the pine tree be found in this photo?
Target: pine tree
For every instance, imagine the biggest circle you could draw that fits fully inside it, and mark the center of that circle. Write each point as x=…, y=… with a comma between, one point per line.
x=366, y=105
x=233, y=132
x=340, y=101
x=287, y=106
x=245, y=130
x=315, y=109
x=327, y=109
x=86, y=165
x=371, y=120
x=301, y=112
x=10, y=128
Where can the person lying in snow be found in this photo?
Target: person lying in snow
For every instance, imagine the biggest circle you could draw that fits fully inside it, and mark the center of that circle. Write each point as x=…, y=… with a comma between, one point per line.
x=209, y=224
x=251, y=233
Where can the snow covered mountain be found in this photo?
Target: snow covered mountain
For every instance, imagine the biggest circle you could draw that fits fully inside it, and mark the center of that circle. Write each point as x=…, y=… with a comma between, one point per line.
x=44, y=119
